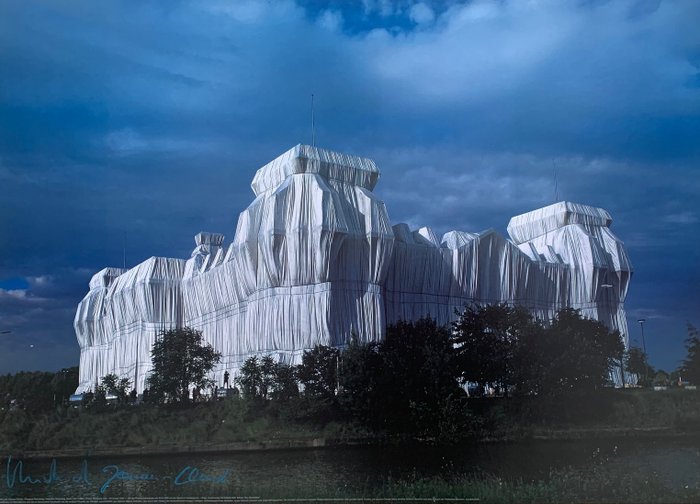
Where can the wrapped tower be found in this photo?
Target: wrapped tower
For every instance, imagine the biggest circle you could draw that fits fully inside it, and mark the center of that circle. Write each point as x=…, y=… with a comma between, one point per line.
x=315, y=260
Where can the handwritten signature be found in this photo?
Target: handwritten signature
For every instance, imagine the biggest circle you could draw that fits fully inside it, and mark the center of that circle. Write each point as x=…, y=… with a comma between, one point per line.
x=16, y=475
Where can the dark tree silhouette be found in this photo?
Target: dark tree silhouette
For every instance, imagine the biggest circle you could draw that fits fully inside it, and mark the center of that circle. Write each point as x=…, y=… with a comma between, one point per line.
x=636, y=362
x=284, y=386
x=264, y=378
x=318, y=372
x=408, y=384
x=578, y=353
x=485, y=339
x=691, y=364
x=38, y=391
x=418, y=380
x=119, y=387
x=250, y=378
x=180, y=361
x=503, y=346
x=360, y=372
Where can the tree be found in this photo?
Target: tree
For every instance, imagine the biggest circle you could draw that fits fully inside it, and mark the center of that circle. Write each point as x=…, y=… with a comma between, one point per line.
x=581, y=353
x=112, y=384
x=360, y=379
x=533, y=357
x=662, y=378
x=691, y=364
x=504, y=346
x=318, y=372
x=408, y=384
x=485, y=338
x=285, y=386
x=264, y=378
x=250, y=379
x=38, y=391
x=180, y=360
x=99, y=400
x=64, y=383
x=417, y=386
x=675, y=377
x=636, y=363
x=268, y=368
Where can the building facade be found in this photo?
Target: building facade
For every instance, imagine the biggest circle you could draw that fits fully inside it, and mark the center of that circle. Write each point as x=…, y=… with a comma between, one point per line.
x=315, y=260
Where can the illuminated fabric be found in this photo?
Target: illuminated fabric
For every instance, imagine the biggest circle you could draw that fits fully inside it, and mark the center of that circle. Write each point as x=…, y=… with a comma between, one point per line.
x=315, y=260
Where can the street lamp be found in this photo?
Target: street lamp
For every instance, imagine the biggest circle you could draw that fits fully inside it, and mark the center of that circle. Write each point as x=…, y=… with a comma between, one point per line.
x=641, y=324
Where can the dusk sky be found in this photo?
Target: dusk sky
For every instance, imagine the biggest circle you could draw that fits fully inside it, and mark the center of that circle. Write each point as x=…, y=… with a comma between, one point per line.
x=149, y=119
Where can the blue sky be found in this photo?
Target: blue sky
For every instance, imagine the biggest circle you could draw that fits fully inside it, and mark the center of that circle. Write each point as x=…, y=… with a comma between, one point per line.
x=150, y=118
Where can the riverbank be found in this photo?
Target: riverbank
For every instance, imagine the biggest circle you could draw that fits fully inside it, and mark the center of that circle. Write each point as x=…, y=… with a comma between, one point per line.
x=629, y=469
x=607, y=434
x=239, y=426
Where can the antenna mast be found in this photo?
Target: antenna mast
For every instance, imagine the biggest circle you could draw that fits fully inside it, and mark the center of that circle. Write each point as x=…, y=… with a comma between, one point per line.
x=556, y=183
x=313, y=131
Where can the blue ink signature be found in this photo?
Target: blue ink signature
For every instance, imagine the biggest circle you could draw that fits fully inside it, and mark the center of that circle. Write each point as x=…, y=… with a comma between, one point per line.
x=16, y=474
x=194, y=475
x=120, y=475
x=82, y=476
x=188, y=475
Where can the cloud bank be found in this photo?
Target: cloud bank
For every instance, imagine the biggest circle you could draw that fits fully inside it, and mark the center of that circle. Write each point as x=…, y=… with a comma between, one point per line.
x=134, y=126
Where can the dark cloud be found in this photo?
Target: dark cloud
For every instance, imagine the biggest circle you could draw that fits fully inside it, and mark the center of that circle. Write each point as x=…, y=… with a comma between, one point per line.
x=149, y=120
x=37, y=322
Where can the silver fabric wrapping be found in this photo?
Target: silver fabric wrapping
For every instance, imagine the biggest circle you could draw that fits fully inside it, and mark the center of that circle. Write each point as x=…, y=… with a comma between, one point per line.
x=315, y=260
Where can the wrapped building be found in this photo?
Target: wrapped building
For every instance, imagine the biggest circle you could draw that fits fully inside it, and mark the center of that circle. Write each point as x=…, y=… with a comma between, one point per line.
x=315, y=260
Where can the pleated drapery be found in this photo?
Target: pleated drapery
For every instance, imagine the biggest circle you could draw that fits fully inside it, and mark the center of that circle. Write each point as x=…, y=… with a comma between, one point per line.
x=315, y=260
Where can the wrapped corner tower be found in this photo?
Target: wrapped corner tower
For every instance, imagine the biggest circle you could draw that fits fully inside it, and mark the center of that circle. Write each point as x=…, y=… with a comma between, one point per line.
x=316, y=260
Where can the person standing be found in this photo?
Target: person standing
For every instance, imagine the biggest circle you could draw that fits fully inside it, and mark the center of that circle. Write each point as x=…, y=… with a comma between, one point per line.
x=226, y=375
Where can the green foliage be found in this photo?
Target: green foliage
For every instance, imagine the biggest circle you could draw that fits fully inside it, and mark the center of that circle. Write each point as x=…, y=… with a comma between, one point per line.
x=504, y=347
x=361, y=369
x=88, y=397
x=486, y=338
x=64, y=383
x=285, y=386
x=99, y=401
x=250, y=379
x=691, y=364
x=37, y=392
x=267, y=375
x=578, y=353
x=661, y=378
x=238, y=419
x=109, y=383
x=180, y=361
x=113, y=385
x=406, y=385
x=534, y=358
x=418, y=379
x=318, y=372
x=636, y=362
x=262, y=379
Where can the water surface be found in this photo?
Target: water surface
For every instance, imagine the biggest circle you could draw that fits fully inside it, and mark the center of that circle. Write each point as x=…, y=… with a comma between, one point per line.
x=331, y=472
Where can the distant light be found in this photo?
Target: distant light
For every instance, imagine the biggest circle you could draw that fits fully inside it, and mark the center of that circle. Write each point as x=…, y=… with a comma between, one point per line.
x=31, y=346
x=607, y=286
x=641, y=320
